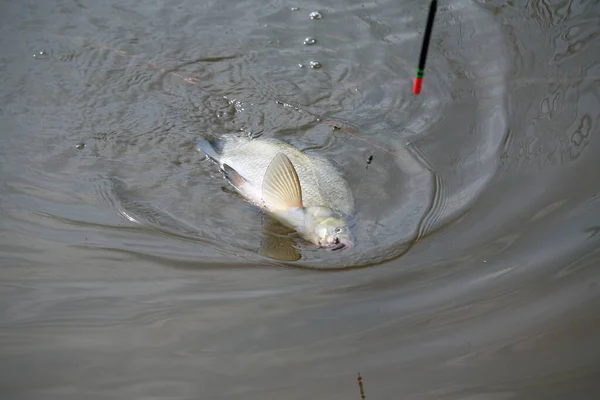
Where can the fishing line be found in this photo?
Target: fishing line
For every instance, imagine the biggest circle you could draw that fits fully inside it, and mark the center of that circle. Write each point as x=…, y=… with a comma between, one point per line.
x=335, y=126
x=196, y=82
x=418, y=82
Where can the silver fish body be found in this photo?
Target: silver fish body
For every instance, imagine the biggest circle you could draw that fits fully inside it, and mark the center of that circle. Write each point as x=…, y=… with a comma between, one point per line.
x=325, y=206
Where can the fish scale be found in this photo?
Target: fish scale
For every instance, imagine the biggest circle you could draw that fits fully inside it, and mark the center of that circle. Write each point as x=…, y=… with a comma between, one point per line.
x=321, y=183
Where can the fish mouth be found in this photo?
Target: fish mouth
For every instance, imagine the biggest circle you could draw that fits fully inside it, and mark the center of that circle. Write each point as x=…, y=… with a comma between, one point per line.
x=335, y=245
x=338, y=246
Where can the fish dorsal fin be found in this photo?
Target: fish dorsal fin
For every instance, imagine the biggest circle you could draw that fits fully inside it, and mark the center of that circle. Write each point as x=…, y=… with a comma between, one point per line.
x=281, y=186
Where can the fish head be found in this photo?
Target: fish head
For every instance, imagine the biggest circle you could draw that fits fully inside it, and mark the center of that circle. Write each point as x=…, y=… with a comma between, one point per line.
x=328, y=228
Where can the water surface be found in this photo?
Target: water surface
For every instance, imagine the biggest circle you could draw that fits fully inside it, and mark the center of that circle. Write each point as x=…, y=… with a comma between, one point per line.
x=129, y=269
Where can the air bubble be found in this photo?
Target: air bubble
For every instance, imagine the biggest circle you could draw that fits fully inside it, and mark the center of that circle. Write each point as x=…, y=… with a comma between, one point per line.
x=40, y=54
x=315, y=15
x=315, y=64
x=310, y=41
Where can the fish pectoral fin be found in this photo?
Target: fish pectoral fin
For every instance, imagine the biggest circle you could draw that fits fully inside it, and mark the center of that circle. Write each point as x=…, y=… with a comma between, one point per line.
x=281, y=186
x=233, y=176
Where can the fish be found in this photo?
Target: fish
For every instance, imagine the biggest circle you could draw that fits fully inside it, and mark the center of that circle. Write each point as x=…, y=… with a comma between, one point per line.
x=304, y=192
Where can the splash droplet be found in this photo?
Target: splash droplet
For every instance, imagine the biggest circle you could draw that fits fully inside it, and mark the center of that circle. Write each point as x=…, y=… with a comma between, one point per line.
x=315, y=15
x=310, y=41
x=315, y=64
x=295, y=8
x=300, y=65
x=80, y=146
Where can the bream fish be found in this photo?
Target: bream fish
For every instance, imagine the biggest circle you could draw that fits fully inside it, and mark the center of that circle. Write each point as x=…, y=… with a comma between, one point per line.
x=304, y=192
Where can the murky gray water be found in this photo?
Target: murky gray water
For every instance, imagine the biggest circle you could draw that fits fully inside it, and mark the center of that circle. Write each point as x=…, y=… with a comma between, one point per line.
x=129, y=270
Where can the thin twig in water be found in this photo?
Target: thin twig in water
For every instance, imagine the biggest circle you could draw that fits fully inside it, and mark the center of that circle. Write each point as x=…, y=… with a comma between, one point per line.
x=369, y=160
x=360, y=386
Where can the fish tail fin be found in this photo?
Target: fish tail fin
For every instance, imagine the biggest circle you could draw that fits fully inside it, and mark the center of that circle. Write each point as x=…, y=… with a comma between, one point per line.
x=211, y=147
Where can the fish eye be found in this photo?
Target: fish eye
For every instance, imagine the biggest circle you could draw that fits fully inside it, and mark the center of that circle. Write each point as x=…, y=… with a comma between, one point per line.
x=337, y=230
